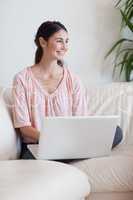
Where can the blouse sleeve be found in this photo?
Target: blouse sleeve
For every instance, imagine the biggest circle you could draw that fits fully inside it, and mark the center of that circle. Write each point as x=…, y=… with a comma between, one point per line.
x=79, y=99
x=20, y=105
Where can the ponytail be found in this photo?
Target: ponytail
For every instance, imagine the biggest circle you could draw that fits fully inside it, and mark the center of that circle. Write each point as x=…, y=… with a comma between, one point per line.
x=60, y=62
x=38, y=55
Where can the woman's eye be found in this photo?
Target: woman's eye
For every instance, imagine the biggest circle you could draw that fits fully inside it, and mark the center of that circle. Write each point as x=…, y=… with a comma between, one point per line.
x=59, y=41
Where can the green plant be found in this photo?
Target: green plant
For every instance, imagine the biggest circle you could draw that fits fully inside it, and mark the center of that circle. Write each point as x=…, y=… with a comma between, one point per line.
x=124, y=46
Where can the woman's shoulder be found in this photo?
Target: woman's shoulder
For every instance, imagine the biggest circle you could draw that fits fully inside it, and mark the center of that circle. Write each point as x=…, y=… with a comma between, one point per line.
x=22, y=74
x=73, y=76
x=71, y=73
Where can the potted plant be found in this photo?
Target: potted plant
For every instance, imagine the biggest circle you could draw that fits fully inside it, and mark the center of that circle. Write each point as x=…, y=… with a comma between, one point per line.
x=124, y=46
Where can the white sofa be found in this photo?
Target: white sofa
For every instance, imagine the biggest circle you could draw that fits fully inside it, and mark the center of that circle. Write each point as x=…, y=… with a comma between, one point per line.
x=110, y=177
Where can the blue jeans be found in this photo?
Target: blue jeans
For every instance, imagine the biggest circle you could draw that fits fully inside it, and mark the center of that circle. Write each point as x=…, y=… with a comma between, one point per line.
x=118, y=137
x=25, y=152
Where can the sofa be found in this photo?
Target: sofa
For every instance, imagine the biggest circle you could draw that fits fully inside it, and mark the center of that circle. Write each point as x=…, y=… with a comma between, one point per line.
x=112, y=177
x=109, y=177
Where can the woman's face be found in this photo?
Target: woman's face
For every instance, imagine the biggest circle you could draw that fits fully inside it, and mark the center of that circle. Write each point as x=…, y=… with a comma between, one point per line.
x=57, y=45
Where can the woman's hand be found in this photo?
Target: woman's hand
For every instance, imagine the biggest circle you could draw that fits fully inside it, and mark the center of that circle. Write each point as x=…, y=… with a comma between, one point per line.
x=30, y=134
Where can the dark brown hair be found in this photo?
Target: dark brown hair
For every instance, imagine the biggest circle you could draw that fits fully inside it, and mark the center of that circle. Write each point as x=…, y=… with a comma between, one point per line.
x=46, y=30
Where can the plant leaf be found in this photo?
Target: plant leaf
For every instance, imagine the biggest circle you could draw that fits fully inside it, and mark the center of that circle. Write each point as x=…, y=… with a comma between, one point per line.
x=118, y=3
x=128, y=8
x=128, y=23
x=130, y=50
x=120, y=63
x=116, y=44
x=128, y=67
x=128, y=3
x=130, y=15
x=124, y=61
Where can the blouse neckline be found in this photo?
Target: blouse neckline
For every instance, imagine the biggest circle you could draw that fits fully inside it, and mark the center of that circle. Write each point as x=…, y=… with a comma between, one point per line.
x=41, y=87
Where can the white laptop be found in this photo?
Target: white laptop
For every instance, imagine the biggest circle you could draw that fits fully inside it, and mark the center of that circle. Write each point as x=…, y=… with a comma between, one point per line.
x=75, y=137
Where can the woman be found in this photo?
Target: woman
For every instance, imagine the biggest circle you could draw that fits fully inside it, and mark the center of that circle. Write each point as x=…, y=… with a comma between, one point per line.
x=47, y=88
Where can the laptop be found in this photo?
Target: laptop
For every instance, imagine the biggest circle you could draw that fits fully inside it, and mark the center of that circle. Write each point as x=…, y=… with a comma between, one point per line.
x=75, y=137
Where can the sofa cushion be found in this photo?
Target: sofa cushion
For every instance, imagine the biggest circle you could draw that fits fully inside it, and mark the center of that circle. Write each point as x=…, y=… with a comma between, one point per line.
x=42, y=180
x=108, y=174
x=9, y=142
x=111, y=196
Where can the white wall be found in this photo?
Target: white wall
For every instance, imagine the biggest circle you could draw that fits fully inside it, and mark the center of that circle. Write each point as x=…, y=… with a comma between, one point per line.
x=92, y=25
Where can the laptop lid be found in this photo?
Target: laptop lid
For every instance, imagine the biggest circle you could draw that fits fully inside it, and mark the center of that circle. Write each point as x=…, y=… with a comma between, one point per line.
x=76, y=137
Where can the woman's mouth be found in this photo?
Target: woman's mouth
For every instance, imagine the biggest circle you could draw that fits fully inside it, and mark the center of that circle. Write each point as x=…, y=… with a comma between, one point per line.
x=60, y=53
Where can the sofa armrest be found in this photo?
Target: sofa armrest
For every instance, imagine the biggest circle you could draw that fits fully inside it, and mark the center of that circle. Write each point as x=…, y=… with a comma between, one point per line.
x=9, y=139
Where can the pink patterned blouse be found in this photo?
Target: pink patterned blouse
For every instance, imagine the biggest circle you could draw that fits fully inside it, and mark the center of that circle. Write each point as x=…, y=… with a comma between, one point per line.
x=31, y=103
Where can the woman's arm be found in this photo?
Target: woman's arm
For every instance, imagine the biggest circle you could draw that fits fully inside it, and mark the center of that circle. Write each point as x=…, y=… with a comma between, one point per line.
x=20, y=110
x=30, y=134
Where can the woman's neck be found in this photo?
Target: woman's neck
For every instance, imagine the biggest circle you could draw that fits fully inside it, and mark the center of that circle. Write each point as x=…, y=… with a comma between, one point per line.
x=49, y=68
x=48, y=65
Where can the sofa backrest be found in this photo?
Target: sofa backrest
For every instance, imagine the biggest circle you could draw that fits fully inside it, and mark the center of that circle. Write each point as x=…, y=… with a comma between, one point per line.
x=115, y=98
x=9, y=140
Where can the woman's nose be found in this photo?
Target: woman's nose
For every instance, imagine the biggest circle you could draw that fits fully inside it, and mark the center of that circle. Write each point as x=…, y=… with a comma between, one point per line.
x=65, y=46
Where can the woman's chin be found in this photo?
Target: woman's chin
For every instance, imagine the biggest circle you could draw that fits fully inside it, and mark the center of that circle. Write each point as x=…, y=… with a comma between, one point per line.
x=59, y=57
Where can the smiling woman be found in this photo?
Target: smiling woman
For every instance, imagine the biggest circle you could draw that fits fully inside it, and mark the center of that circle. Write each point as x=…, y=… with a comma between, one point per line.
x=47, y=88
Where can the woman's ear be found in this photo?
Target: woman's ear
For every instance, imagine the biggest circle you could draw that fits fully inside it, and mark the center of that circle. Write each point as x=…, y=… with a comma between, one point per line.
x=42, y=42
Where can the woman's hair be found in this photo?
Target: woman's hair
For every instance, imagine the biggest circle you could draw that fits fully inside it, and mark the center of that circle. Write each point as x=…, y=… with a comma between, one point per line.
x=46, y=30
